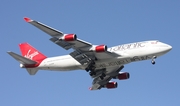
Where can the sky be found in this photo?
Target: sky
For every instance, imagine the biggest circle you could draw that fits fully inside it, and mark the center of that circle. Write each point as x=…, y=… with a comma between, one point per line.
x=110, y=22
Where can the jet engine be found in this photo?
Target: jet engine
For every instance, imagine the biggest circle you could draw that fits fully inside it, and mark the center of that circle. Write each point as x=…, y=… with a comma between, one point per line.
x=111, y=85
x=99, y=48
x=69, y=37
x=122, y=76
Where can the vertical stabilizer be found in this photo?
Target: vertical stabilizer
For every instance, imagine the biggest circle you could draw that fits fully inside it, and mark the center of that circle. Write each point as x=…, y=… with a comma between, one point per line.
x=31, y=53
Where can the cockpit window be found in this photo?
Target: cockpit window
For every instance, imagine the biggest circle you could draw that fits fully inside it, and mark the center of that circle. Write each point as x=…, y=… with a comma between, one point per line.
x=154, y=42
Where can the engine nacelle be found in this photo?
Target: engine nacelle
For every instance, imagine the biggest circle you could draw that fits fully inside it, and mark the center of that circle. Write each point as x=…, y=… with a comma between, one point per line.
x=111, y=85
x=100, y=48
x=123, y=76
x=69, y=37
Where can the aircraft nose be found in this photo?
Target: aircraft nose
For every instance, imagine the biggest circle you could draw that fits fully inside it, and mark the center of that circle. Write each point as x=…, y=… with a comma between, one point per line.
x=169, y=47
x=166, y=48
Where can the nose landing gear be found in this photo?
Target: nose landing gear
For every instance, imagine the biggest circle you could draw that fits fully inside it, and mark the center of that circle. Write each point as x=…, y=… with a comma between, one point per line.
x=153, y=60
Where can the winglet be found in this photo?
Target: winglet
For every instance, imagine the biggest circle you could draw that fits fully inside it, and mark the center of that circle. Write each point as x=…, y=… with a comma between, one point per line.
x=27, y=19
x=90, y=88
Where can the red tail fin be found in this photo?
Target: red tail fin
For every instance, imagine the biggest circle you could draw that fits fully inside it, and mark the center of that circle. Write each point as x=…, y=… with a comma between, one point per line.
x=30, y=52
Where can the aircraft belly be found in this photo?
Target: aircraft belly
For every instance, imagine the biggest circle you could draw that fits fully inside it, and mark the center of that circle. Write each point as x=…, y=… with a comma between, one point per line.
x=61, y=64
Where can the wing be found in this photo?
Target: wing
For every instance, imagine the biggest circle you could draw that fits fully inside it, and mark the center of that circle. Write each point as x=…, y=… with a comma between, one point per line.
x=55, y=34
x=83, y=51
x=110, y=73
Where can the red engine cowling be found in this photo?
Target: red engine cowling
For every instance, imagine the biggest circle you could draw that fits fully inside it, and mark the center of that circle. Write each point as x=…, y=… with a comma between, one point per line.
x=111, y=85
x=101, y=48
x=69, y=37
x=123, y=76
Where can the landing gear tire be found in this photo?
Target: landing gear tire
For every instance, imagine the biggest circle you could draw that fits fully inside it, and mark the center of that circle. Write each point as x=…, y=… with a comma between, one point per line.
x=92, y=73
x=153, y=62
x=102, y=76
x=87, y=70
x=91, y=67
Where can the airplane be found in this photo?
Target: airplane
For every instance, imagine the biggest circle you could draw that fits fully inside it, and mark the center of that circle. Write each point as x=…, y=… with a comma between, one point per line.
x=102, y=63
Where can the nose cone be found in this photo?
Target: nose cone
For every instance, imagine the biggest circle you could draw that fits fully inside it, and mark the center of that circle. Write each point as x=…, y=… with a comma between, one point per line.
x=166, y=48
x=169, y=47
x=161, y=48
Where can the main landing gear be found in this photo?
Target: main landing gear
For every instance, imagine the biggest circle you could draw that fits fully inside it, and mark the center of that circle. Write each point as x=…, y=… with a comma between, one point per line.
x=91, y=67
x=153, y=60
x=102, y=76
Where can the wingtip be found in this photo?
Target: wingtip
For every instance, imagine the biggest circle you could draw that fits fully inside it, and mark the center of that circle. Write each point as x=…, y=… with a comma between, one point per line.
x=27, y=19
x=9, y=52
x=90, y=88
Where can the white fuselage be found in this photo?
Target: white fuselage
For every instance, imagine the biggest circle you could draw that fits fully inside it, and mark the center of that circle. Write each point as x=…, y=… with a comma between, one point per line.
x=127, y=53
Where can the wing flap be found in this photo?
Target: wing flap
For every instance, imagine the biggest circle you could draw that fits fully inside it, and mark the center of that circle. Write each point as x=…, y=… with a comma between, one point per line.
x=82, y=58
x=63, y=44
x=77, y=44
x=21, y=59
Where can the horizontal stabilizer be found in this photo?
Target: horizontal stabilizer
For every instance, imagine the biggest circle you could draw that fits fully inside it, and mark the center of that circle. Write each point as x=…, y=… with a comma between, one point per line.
x=21, y=59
